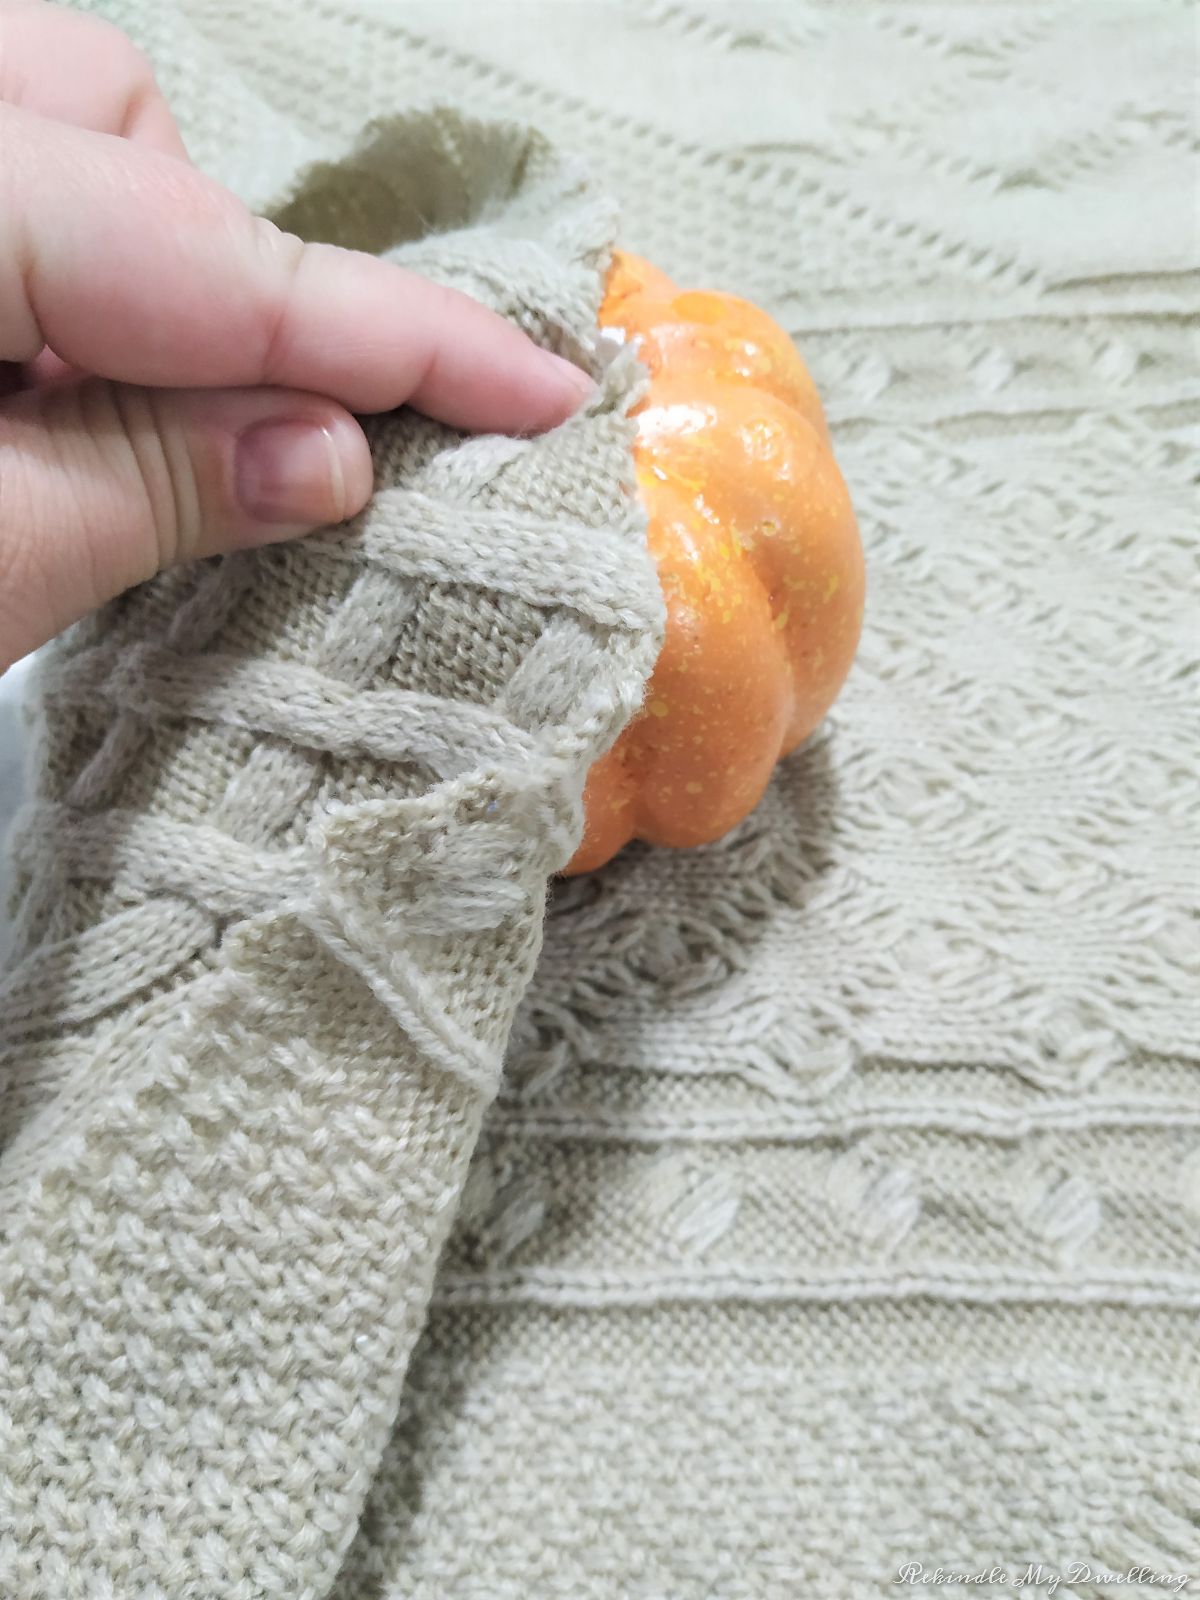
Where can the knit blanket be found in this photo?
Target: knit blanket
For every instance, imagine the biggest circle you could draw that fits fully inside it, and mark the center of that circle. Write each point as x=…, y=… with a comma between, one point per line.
x=832, y=1226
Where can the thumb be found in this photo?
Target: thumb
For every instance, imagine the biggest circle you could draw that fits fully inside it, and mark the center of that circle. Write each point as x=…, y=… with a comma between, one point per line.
x=103, y=484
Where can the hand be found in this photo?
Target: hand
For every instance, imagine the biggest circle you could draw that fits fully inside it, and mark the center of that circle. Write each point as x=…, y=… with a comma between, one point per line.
x=177, y=376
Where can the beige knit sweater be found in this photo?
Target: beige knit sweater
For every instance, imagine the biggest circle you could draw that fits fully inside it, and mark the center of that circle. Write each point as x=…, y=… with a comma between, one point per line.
x=835, y=1219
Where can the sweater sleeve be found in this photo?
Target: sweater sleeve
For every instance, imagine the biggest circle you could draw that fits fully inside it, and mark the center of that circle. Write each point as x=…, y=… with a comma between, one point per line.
x=280, y=890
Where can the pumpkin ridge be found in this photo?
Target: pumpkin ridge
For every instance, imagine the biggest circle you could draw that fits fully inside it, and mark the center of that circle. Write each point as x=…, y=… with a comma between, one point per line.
x=759, y=559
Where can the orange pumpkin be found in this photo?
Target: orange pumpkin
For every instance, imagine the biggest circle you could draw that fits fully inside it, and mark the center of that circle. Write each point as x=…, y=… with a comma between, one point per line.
x=758, y=555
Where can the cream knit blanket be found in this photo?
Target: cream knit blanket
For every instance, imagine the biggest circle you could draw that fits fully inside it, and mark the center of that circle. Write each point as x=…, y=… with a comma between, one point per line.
x=836, y=1219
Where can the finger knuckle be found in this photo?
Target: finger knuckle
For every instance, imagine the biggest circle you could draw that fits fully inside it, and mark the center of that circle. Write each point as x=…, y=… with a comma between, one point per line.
x=159, y=492
x=283, y=256
x=136, y=64
x=98, y=491
x=25, y=587
x=123, y=60
x=167, y=472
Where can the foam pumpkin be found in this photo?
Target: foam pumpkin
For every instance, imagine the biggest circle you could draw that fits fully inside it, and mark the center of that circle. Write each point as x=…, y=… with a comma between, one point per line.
x=759, y=558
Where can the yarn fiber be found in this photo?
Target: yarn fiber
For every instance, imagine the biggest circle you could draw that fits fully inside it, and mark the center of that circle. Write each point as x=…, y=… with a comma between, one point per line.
x=837, y=1208
x=280, y=889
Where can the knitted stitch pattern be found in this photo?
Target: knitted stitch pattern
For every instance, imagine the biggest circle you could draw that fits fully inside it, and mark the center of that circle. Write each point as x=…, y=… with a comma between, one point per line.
x=838, y=1208
x=283, y=884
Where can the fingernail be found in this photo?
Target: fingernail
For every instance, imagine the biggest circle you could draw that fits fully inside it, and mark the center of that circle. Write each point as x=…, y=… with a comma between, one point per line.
x=571, y=376
x=302, y=473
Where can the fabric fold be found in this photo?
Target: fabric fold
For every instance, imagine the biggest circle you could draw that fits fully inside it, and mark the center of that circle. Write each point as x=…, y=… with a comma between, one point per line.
x=280, y=889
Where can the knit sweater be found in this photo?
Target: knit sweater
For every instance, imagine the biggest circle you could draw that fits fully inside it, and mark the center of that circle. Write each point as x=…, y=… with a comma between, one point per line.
x=834, y=1218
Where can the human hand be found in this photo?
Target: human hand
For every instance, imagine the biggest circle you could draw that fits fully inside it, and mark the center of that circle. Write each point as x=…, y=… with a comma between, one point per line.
x=177, y=376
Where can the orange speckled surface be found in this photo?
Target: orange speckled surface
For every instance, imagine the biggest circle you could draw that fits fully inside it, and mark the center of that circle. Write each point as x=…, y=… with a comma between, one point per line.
x=759, y=557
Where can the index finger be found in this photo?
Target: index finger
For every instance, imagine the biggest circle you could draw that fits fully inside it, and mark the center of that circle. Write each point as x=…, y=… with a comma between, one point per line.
x=137, y=267
x=83, y=70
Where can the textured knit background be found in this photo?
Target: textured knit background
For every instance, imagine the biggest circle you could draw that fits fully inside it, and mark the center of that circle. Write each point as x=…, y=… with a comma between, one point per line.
x=840, y=1204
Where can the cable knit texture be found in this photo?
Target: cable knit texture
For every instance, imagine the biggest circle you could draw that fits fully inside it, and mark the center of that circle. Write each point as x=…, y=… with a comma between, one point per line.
x=281, y=888
x=838, y=1207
